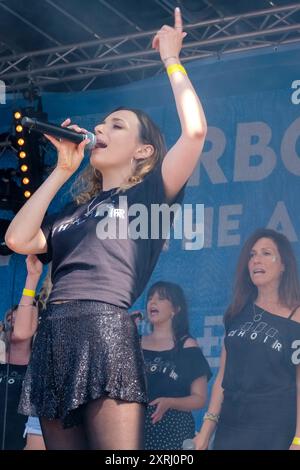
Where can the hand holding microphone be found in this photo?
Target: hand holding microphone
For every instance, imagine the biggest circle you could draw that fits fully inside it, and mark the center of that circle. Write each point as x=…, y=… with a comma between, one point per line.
x=74, y=141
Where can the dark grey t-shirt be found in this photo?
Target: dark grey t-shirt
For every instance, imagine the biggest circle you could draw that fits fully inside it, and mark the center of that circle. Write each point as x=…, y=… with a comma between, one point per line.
x=115, y=270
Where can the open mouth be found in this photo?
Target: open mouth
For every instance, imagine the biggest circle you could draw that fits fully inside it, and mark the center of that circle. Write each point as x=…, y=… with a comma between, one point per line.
x=100, y=145
x=154, y=311
x=258, y=271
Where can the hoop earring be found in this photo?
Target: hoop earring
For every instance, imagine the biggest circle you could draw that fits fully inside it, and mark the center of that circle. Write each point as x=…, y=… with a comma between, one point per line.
x=97, y=174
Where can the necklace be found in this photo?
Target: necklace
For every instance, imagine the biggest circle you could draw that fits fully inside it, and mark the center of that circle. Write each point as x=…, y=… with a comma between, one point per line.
x=257, y=316
x=91, y=207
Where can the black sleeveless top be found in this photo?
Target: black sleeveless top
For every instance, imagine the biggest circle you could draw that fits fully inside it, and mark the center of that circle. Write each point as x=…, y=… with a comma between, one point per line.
x=263, y=350
x=170, y=373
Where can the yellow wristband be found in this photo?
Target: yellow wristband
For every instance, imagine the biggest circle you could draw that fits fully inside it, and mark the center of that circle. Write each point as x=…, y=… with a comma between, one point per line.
x=296, y=441
x=175, y=68
x=29, y=292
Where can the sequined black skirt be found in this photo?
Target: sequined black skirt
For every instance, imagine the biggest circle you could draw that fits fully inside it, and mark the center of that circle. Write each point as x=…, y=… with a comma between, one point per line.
x=83, y=350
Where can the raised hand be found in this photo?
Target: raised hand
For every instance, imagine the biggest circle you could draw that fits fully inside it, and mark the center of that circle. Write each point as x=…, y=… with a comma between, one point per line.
x=70, y=155
x=168, y=40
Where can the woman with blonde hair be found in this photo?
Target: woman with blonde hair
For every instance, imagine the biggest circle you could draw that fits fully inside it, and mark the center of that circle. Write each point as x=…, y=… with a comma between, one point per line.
x=25, y=327
x=20, y=324
x=86, y=378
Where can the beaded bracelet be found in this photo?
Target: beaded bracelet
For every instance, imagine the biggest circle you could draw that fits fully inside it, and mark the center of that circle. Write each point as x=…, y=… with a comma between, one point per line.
x=211, y=417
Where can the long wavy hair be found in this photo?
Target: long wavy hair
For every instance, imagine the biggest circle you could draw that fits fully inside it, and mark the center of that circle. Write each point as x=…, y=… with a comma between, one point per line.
x=7, y=326
x=244, y=289
x=89, y=182
x=45, y=290
x=174, y=293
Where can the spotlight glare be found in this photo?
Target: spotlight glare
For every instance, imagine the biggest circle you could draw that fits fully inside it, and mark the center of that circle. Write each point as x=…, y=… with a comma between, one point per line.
x=19, y=128
x=25, y=180
x=22, y=154
x=21, y=142
x=27, y=194
x=24, y=167
x=17, y=115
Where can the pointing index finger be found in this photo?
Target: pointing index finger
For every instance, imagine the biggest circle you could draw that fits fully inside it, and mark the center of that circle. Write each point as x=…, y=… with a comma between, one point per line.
x=178, y=19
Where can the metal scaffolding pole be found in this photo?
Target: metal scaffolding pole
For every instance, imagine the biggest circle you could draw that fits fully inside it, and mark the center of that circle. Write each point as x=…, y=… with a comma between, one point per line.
x=272, y=28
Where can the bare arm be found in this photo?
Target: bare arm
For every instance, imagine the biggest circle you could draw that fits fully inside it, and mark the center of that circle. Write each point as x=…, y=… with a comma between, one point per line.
x=297, y=434
x=26, y=320
x=298, y=402
x=208, y=426
x=24, y=234
x=194, y=401
x=182, y=158
x=296, y=317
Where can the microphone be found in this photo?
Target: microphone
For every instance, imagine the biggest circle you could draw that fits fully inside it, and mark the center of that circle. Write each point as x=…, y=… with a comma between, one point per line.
x=188, y=444
x=136, y=315
x=59, y=132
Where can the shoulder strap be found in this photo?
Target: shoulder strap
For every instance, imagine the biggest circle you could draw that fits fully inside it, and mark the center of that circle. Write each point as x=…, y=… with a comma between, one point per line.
x=182, y=340
x=293, y=311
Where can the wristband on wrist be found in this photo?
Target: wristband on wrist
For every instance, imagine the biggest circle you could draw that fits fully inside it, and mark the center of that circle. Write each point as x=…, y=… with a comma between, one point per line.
x=211, y=417
x=296, y=441
x=175, y=68
x=29, y=292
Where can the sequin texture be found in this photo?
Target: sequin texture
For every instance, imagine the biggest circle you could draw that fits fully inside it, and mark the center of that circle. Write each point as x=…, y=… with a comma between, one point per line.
x=83, y=350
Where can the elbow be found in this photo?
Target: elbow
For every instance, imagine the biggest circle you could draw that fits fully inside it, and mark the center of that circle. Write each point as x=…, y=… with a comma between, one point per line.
x=13, y=244
x=197, y=135
x=200, y=133
x=20, y=335
x=9, y=241
x=12, y=240
x=201, y=402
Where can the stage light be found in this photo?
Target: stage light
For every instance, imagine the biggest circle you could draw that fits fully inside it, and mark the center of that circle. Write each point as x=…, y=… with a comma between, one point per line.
x=30, y=152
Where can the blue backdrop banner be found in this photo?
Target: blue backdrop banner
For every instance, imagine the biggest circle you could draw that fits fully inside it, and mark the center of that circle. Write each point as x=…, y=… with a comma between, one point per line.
x=248, y=176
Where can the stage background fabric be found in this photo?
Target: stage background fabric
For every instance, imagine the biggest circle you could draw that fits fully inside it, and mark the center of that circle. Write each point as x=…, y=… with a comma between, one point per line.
x=248, y=176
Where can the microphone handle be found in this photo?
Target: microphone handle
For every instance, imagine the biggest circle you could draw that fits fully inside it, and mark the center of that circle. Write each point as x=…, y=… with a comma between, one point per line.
x=188, y=444
x=57, y=131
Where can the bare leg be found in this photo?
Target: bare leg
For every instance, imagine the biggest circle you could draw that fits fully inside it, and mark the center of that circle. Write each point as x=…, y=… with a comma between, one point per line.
x=114, y=424
x=34, y=442
x=58, y=438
